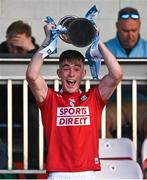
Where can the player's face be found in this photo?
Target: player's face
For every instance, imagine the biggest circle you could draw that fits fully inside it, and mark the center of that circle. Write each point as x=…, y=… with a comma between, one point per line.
x=71, y=74
x=128, y=32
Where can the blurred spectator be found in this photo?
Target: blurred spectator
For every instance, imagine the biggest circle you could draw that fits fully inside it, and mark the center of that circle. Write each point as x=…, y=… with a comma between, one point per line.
x=128, y=44
x=128, y=41
x=19, y=41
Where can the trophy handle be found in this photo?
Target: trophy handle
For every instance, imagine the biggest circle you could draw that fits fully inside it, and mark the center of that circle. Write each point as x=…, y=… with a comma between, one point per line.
x=65, y=22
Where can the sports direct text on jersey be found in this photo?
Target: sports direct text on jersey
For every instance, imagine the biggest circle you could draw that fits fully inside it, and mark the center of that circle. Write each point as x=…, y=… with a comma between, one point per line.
x=73, y=116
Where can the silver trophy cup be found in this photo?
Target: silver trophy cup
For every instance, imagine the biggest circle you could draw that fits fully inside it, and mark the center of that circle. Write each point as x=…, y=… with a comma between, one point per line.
x=80, y=31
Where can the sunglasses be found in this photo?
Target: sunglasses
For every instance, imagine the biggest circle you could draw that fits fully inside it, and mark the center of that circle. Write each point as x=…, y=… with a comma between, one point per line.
x=129, y=15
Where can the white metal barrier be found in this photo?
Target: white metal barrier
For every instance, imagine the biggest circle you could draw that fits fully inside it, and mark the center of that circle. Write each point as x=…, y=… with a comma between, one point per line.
x=13, y=71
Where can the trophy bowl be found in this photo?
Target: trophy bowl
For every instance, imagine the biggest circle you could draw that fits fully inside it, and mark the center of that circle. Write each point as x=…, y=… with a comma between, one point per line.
x=80, y=31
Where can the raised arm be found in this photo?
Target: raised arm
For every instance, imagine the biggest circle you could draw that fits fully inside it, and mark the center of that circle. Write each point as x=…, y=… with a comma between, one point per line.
x=35, y=80
x=110, y=81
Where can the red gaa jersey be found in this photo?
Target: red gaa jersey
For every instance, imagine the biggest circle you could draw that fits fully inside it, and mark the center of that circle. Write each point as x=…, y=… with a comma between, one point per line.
x=71, y=123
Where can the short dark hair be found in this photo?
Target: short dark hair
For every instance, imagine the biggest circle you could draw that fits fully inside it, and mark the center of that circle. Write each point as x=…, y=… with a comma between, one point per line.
x=127, y=10
x=71, y=55
x=19, y=27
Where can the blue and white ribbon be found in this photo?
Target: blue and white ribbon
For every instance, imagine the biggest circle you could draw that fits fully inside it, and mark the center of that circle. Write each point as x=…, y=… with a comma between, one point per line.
x=54, y=34
x=94, y=57
x=93, y=54
x=92, y=13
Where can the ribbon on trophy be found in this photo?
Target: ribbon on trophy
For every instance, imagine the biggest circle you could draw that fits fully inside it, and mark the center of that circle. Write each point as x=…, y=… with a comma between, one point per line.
x=94, y=57
x=54, y=34
x=93, y=54
x=92, y=13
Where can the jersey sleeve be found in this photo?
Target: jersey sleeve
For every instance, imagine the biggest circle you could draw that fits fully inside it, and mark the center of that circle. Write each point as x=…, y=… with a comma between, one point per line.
x=42, y=104
x=95, y=90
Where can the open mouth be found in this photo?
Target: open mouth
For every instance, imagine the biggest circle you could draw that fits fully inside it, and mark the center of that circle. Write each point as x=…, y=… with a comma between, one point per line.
x=71, y=82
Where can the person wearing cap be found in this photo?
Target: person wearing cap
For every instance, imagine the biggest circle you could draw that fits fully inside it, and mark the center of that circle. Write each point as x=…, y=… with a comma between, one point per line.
x=128, y=41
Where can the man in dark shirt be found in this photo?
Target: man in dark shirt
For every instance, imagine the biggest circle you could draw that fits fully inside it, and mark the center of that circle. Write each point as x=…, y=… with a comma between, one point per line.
x=19, y=39
x=19, y=42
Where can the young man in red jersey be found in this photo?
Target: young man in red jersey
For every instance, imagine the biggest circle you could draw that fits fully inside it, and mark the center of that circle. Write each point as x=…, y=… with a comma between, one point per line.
x=71, y=118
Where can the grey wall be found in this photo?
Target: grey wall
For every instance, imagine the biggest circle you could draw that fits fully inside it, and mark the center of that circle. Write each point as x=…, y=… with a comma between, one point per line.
x=35, y=11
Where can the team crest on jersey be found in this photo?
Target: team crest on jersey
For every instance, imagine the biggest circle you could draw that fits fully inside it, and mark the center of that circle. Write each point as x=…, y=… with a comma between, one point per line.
x=71, y=102
x=83, y=98
x=73, y=116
